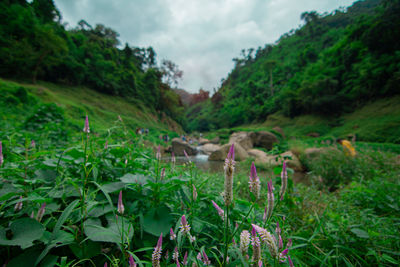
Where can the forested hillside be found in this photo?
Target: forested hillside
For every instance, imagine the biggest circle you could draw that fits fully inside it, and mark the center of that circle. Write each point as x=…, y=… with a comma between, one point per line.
x=35, y=45
x=331, y=65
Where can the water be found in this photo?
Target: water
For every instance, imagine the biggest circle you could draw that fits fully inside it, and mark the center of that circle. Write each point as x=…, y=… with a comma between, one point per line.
x=201, y=162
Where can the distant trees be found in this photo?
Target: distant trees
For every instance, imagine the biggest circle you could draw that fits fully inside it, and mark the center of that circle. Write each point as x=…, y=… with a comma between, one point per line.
x=171, y=72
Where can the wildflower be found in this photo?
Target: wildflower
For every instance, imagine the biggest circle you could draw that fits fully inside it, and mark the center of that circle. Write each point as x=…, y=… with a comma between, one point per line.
x=158, y=154
x=289, y=243
x=106, y=145
x=132, y=263
x=254, y=181
x=265, y=214
x=184, y=262
x=244, y=242
x=32, y=214
x=219, y=210
x=173, y=160
x=206, y=261
x=260, y=264
x=1, y=153
x=166, y=255
x=172, y=235
x=33, y=144
x=126, y=161
x=18, y=206
x=270, y=197
x=278, y=229
x=162, y=175
x=175, y=255
x=185, y=227
x=282, y=255
x=280, y=242
x=284, y=178
x=40, y=213
x=119, y=118
x=194, y=193
x=290, y=262
x=268, y=239
x=105, y=264
x=229, y=168
x=155, y=258
x=192, y=238
x=121, y=207
x=186, y=155
x=86, y=129
x=177, y=263
x=199, y=256
x=255, y=241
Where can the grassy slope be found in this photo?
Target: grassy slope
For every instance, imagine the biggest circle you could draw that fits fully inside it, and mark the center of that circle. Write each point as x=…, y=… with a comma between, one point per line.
x=102, y=109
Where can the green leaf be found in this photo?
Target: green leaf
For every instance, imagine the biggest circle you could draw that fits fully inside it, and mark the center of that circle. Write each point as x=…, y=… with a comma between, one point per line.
x=387, y=258
x=112, y=232
x=113, y=187
x=24, y=232
x=86, y=249
x=134, y=179
x=360, y=233
x=157, y=221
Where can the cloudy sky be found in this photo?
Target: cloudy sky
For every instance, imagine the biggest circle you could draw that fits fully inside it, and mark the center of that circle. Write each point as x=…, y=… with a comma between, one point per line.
x=201, y=36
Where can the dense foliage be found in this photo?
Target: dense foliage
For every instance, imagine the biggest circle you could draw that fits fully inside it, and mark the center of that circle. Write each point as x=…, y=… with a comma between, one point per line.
x=35, y=45
x=332, y=64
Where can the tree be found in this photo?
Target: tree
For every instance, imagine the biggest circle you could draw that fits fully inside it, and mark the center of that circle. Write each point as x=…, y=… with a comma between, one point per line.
x=269, y=66
x=171, y=73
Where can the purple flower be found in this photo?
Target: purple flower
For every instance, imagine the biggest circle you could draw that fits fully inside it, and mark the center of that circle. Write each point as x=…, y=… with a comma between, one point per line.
x=283, y=255
x=86, y=129
x=290, y=262
x=105, y=264
x=186, y=155
x=278, y=229
x=289, y=243
x=229, y=168
x=119, y=117
x=172, y=235
x=33, y=144
x=173, y=160
x=194, y=193
x=206, y=261
x=175, y=255
x=184, y=262
x=18, y=206
x=106, y=145
x=132, y=263
x=156, y=256
x=185, y=227
x=268, y=239
x=219, y=210
x=244, y=242
x=121, y=207
x=162, y=175
x=284, y=178
x=158, y=154
x=270, y=198
x=41, y=212
x=254, y=181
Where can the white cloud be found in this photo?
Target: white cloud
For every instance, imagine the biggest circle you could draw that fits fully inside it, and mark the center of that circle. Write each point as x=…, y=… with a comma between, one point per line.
x=201, y=36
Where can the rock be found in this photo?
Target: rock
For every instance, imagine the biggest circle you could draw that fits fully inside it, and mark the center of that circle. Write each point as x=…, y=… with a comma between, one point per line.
x=178, y=146
x=313, y=134
x=259, y=155
x=208, y=148
x=220, y=154
x=215, y=140
x=279, y=130
x=203, y=141
x=243, y=138
x=264, y=139
x=294, y=162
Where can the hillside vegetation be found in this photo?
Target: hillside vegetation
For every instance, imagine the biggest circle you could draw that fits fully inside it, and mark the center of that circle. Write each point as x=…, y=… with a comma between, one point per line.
x=332, y=65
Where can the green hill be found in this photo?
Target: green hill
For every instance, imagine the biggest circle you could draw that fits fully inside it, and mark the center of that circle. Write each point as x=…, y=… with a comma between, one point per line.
x=330, y=67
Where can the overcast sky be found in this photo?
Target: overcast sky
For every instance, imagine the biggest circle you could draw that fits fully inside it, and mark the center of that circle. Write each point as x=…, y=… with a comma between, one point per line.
x=201, y=36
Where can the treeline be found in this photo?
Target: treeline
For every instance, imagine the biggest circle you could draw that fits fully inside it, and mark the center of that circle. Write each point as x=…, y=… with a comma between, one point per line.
x=330, y=65
x=35, y=45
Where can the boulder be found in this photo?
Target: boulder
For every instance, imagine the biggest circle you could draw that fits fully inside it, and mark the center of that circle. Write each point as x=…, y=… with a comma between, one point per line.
x=220, y=154
x=259, y=155
x=264, y=139
x=242, y=138
x=203, y=141
x=279, y=130
x=294, y=162
x=178, y=146
x=208, y=148
x=215, y=140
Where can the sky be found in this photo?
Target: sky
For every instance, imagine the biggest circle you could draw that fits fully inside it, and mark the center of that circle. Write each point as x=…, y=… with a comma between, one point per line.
x=200, y=36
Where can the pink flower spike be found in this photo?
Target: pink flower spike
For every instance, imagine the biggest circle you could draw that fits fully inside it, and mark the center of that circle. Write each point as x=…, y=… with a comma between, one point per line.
x=265, y=214
x=289, y=243
x=194, y=193
x=284, y=178
x=121, y=207
x=254, y=181
x=159, y=242
x=278, y=229
x=173, y=157
x=162, y=175
x=185, y=227
x=41, y=212
x=106, y=145
x=105, y=264
x=132, y=263
x=280, y=243
x=206, y=261
x=86, y=129
x=253, y=230
x=158, y=154
x=186, y=155
x=184, y=262
x=231, y=154
x=18, y=206
x=172, y=235
x=219, y=210
x=290, y=262
x=33, y=144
